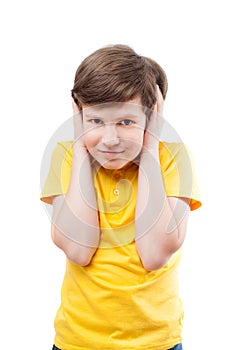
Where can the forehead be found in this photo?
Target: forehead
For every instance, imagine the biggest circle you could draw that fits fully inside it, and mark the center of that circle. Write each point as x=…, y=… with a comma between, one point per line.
x=115, y=109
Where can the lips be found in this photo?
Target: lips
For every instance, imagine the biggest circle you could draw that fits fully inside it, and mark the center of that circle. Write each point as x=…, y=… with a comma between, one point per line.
x=111, y=153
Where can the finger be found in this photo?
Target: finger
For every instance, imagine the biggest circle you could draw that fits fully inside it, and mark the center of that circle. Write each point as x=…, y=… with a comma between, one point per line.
x=160, y=101
x=78, y=125
x=155, y=109
x=75, y=107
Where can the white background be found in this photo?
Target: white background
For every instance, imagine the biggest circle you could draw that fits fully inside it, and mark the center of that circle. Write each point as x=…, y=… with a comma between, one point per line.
x=42, y=43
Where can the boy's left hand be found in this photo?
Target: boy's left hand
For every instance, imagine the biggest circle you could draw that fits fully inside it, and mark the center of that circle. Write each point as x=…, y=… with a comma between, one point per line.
x=155, y=124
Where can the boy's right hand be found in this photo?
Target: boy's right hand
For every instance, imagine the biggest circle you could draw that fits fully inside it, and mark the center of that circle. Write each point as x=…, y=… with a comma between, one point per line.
x=78, y=126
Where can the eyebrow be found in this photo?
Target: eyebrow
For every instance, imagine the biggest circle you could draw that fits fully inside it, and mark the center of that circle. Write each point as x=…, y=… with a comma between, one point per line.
x=124, y=116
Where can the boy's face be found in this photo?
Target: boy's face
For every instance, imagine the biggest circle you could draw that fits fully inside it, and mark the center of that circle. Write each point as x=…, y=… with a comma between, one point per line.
x=114, y=132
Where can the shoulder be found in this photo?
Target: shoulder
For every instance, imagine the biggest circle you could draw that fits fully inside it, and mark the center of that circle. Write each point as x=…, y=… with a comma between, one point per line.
x=66, y=146
x=172, y=148
x=57, y=180
x=62, y=150
x=177, y=153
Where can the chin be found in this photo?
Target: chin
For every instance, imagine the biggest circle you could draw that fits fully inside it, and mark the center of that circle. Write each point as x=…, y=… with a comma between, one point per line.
x=114, y=165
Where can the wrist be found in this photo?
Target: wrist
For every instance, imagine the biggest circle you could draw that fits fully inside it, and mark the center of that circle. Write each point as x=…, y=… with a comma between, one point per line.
x=79, y=147
x=151, y=150
x=80, y=153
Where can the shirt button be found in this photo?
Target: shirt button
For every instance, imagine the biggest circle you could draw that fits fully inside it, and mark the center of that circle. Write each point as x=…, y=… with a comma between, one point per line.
x=116, y=192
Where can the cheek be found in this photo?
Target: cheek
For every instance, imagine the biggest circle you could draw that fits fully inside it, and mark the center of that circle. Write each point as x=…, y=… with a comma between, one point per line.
x=137, y=137
x=91, y=138
x=89, y=142
x=134, y=143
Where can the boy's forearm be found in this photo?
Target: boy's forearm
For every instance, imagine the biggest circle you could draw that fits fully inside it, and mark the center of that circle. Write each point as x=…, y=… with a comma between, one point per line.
x=153, y=214
x=78, y=215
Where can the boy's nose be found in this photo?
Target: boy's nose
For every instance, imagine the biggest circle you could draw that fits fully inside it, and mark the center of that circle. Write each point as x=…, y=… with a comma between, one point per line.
x=110, y=135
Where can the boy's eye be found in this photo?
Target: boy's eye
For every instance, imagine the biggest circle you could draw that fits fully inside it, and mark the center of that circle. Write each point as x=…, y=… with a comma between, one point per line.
x=96, y=121
x=126, y=122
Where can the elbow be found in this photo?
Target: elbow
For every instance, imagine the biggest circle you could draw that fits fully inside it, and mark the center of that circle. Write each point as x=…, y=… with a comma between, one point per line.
x=152, y=264
x=155, y=256
x=79, y=258
x=156, y=260
x=78, y=254
x=75, y=252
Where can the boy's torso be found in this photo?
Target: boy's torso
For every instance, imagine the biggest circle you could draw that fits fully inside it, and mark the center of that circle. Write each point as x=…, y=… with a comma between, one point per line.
x=115, y=300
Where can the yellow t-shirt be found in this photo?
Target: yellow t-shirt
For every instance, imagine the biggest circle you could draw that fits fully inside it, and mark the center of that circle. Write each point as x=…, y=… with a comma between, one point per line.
x=114, y=303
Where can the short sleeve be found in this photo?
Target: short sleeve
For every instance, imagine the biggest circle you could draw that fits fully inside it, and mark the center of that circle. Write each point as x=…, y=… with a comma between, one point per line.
x=58, y=177
x=177, y=166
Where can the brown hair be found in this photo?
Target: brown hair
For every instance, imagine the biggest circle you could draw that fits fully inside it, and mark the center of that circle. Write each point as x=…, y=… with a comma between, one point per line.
x=117, y=74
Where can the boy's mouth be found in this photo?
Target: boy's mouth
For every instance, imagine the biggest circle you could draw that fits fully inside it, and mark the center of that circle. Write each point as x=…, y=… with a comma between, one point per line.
x=111, y=153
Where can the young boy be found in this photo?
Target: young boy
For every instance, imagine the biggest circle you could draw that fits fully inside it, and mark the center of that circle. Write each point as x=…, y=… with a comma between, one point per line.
x=121, y=200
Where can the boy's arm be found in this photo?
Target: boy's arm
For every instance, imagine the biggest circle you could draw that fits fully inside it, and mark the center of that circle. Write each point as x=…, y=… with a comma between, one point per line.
x=75, y=226
x=160, y=221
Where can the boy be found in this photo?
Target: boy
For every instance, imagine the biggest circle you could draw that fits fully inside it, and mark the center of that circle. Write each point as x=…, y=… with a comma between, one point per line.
x=121, y=200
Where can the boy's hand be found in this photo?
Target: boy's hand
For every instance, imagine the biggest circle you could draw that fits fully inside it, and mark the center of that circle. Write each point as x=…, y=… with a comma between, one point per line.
x=78, y=125
x=155, y=124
